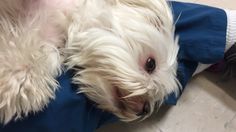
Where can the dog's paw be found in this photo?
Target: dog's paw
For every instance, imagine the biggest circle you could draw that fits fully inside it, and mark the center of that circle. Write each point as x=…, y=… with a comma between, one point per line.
x=27, y=75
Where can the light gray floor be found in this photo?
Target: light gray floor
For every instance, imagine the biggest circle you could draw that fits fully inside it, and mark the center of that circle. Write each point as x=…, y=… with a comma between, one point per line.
x=207, y=104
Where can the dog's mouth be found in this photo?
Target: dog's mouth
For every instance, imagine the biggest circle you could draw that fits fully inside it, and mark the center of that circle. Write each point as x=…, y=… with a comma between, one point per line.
x=136, y=105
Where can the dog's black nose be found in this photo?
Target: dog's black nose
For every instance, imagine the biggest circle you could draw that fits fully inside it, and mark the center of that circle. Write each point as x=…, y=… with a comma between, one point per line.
x=146, y=109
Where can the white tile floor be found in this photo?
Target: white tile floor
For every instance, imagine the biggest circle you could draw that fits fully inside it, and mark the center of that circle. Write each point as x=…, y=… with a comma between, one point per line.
x=207, y=105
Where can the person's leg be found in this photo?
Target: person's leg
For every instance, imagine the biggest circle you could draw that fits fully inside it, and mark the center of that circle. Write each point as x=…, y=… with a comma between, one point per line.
x=203, y=38
x=230, y=41
x=230, y=55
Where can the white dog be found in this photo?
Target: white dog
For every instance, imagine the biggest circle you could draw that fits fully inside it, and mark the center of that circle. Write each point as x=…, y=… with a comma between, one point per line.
x=125, y=50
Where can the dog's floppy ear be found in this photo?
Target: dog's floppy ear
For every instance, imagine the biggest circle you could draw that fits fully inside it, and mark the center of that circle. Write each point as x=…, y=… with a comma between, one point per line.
x=163, y=15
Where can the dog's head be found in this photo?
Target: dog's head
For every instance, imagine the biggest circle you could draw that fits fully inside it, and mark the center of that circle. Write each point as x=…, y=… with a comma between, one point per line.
x=126, y=52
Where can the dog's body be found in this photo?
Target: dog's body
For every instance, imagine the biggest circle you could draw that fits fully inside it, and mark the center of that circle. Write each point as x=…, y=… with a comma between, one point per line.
x=30, y=60
x=125, y=49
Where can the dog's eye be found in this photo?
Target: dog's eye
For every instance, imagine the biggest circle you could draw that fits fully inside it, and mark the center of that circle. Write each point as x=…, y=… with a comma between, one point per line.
x=150, y=65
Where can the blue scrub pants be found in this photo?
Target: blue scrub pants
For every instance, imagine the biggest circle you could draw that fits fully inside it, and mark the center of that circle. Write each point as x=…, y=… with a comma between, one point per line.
x=202, y=32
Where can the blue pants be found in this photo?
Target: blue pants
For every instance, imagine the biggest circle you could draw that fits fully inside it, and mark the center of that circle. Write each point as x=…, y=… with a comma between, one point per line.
x=202, y=39
x=202, y=32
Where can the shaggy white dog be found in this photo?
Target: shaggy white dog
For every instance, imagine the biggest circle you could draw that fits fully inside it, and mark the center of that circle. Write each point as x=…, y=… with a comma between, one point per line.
x=124, y=52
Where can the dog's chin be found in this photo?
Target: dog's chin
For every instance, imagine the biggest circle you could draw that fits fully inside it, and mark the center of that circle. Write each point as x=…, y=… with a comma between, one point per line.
x=130, y=108
x=123, y=104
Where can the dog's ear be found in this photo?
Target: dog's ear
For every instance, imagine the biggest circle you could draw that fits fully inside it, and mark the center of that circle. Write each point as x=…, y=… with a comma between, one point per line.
x=162, y=14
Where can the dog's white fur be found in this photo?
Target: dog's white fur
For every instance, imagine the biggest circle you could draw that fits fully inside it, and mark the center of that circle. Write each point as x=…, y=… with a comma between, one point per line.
x=109, y=40
x=29, y=57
